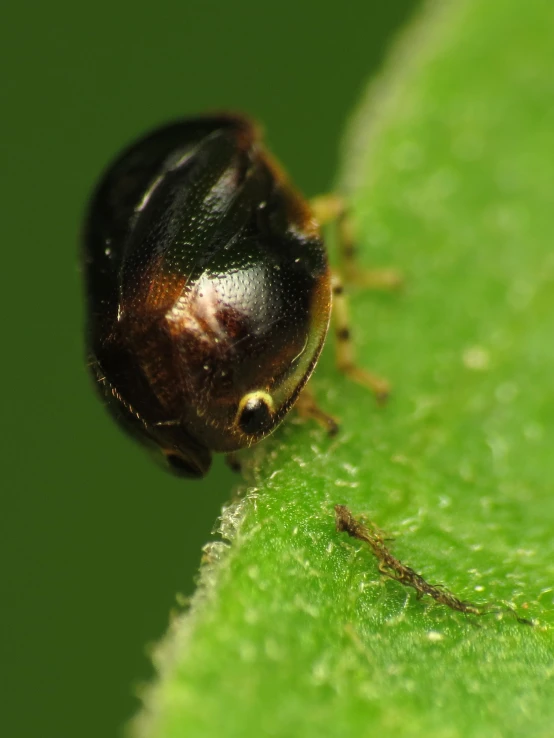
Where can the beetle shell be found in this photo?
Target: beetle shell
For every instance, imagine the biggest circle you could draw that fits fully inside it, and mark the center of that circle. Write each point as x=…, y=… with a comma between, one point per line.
x=208, y=290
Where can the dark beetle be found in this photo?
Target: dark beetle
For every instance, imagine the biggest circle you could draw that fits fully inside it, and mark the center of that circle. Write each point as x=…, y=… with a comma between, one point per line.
x=208, y=290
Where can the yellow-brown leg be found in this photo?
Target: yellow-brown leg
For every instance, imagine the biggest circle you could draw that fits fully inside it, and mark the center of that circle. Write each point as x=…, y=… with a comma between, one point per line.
x=345, y=349
x=332, y=208
x=308, y=409
x=328, y=208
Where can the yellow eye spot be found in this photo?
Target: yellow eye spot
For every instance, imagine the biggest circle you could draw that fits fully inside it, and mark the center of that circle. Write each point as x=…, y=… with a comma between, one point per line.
x=255, y=413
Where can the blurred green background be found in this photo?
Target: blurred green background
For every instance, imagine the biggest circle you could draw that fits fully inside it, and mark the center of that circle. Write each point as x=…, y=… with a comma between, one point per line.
x=95, y=539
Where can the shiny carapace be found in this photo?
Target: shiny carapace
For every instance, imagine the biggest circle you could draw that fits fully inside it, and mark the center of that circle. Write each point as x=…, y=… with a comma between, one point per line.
x=208, y=290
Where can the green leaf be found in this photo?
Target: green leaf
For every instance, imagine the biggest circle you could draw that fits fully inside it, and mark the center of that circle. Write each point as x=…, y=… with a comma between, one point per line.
x=293, y=632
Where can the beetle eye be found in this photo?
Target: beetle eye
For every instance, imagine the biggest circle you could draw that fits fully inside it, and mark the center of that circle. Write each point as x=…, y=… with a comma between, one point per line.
x=255, y=413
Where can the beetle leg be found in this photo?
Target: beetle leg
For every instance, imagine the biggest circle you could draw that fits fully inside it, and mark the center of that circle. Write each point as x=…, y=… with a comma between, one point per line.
x=375, y=279
x=233, y=462
x=327, y=208
x=345, y=350
x=333, y=208
x=308, y=408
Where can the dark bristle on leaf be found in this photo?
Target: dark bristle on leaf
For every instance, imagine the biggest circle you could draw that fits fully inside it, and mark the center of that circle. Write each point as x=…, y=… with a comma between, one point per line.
x=393, y=568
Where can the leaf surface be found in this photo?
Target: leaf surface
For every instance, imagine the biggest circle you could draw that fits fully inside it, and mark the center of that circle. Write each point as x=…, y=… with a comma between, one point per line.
x=449, y=165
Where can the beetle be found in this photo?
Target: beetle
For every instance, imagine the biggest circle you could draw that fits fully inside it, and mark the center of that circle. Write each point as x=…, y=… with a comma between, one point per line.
x=208, y=290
